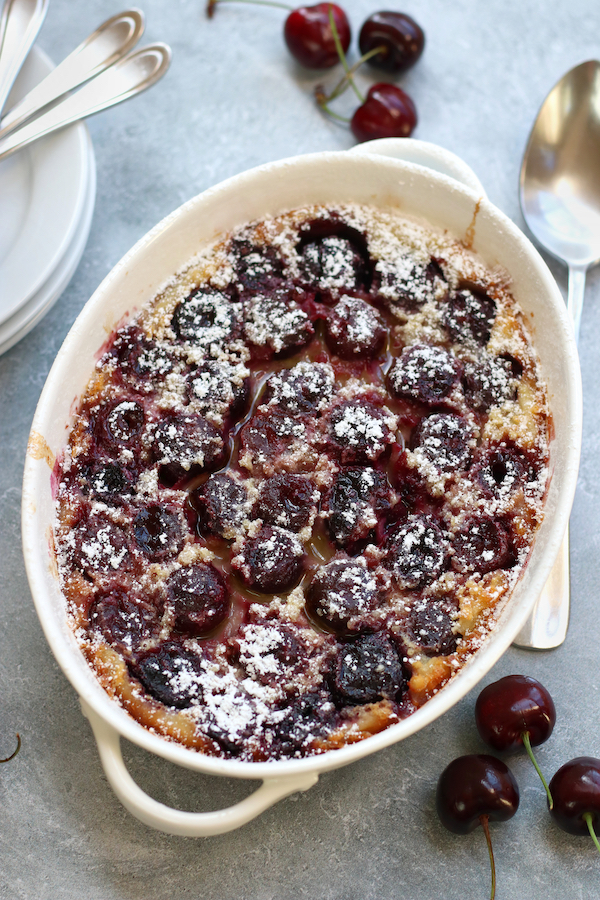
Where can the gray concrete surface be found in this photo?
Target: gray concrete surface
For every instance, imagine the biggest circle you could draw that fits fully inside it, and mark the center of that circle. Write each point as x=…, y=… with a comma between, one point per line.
x=233, y=99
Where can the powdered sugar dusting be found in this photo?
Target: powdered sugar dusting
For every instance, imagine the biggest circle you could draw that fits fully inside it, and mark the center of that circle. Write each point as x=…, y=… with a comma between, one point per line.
x=302, y=483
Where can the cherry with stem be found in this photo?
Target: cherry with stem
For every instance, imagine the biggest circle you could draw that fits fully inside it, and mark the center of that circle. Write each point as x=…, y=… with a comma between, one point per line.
x=307, y=31
x=397, y=38
x=575, y=788
x=516, y=711
x=473, y=791
x=15, y=751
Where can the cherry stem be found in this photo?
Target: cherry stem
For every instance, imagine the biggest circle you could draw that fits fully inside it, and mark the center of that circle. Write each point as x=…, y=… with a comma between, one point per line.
x=342, y=55
x=14, y=753
x=486, y=830
x=322, y=100
x=210, y=6
x=527, y=745
x=589, y=822
x=348, y=77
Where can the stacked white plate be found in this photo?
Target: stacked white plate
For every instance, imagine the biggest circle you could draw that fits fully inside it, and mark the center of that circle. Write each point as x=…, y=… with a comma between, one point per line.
x=47, y=194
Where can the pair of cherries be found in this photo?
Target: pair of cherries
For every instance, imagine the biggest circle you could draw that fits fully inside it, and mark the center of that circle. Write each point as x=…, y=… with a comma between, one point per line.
x=319, y=36
x=514, y=712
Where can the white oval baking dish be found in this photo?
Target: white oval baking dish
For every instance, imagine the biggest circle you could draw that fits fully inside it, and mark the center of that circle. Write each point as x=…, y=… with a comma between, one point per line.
x=433, y=184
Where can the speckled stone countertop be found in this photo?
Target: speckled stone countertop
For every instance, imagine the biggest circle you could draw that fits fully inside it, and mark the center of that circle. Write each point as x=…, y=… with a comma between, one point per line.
x=233, y=99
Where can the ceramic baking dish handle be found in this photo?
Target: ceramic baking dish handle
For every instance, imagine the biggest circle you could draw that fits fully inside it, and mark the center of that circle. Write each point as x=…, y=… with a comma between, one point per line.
x=425, y=154
x=174, y=821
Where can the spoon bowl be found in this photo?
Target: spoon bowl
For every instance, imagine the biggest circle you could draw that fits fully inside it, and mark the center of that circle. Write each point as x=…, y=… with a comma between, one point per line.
x=560, y=177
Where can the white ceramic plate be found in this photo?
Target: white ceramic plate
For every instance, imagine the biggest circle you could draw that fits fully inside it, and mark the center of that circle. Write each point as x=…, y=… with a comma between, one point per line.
x=44, y=190
x=21, y=323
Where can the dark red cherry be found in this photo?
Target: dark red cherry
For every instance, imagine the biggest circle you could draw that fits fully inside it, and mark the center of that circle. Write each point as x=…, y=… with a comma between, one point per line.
x=305, y=388
x=286, y=500
x=123, y=423
x=387, y=112
x=425, y=374
x=171, y=674
x=488, y=382
x=205, y=317
x=474, y=786
x=482, y=544
x=417, y=553
x=304, y=719
x=342, y=594
x=272, y=560
x=354, y=330
x=359, y=431
x=476, y=790
x=124, y=621
x=222, y=505
x=268, y=653
x=333, y=259
x=358, y=500
x=106, y=480
x=512, y=707
x=399, y=36
x=185, y=445
x=516, y=711
x=444, y=440
x=470, y=315
x=431, y=627
x=101, y=547
x=276, y=325
x=256, y=268
x=158, y=532
x=309, y=38
x=576, y=792
x=199, y=598
x=369, y=669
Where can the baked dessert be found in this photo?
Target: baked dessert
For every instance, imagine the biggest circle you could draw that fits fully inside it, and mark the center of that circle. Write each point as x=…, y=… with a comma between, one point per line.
x=302, y=483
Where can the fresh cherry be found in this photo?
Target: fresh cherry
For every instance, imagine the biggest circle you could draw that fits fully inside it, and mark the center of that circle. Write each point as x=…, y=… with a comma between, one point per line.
x=15, y=751
x=387, y=112
x=576, y=792
x=400, y=38
x=307, y=31
x=516, y=711
x=475, y=790
x=309, y=36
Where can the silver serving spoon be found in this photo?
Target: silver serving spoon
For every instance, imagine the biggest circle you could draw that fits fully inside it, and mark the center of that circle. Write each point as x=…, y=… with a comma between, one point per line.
x=126, y=78
x=20, y=23
x=108, y=43
x=560, y=199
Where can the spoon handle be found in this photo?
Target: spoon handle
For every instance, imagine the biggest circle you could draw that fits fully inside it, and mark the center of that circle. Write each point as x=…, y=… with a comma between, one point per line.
x=111, y=40
x=575, y=296
x=547, y=626
x=548, y=623
x=20, y=22
x=131, y=75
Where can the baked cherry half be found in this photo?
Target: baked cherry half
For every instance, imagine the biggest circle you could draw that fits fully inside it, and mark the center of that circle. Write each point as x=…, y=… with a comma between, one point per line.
x=576, y=792
x=476, y=790
x=516, y=711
